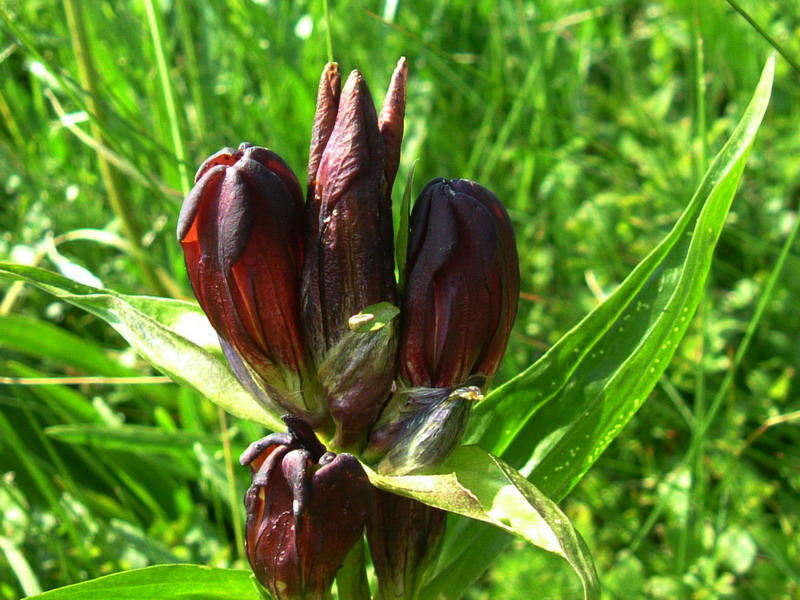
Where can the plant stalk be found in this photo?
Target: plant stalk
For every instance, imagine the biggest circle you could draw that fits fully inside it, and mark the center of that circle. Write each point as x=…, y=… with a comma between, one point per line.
x=111, y=179
x=169, y=98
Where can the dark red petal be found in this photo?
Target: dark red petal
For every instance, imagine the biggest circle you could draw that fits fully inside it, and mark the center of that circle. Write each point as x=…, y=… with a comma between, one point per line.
x=349, y=263
x=404, y=536
x=391, y=118
x=330, y=84
x=341, y=497
x=225, y=158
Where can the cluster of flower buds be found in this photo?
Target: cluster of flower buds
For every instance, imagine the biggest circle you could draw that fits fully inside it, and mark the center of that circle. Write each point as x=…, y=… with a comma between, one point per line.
x=294, y=287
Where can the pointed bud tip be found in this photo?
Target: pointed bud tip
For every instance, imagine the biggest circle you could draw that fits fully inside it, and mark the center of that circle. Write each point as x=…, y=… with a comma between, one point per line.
x=355, y=84
x=401, y=70
x=329, y=84
x=390, y=120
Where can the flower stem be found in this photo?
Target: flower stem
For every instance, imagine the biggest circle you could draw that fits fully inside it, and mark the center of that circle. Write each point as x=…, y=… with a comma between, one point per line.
x=156, y=29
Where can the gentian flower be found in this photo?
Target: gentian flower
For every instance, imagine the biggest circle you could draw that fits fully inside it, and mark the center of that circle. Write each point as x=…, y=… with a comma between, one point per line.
x=306, y=508
x=458, y=306
x=241, y=230
x=349, y=265
x=294, y=290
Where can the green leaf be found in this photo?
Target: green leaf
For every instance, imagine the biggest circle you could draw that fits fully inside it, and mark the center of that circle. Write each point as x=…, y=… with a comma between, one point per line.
x=163, y=582
x=401, y=239
x=475, y=484
x=374, y=317
x=131, y=438
x=174, y=336
x=19, y=565
x=35, y=337
x=559, y=415
x=556, y=418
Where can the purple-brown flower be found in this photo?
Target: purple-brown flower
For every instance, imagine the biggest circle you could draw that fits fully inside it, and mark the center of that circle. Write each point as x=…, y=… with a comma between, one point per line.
x=241, y=229
x=458, y=307
x=404, y=536
x=462, y=286
x=349, y=264
x=302, y=293
x=306, y=508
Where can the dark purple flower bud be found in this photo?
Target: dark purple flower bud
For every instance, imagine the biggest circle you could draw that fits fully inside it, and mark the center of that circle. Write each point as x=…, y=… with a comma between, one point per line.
x=349, y=264
x=241, y=229
x=458, y=307
x=404, y=537
x=306, y=509
x=462, y=286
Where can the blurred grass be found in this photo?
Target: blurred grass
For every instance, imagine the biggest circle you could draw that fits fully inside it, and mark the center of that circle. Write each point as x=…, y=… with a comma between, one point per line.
x=593, y=122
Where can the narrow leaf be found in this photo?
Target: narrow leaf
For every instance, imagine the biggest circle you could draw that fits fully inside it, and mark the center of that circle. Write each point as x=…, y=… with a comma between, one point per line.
x=165, y=582
x=556, y=418
x=559, y=415
x=167, y=333
x=401, y=240
x=131, y=438
x=19, y=566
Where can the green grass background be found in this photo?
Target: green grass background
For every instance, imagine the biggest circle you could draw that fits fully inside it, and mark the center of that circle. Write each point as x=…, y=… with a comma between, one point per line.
x=594, y=122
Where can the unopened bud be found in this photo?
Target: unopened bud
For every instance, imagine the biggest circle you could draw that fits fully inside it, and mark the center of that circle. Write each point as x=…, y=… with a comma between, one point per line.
x=349, y=265
x=462, y=286
x=306, y=508
x=241, y=230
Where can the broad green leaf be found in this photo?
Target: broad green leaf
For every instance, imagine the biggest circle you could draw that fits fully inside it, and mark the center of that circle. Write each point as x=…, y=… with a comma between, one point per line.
x=579, y=396
x=131, y=438
x=478, y=485
x=556, y=418
x=163, y=582
x=171, y=334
